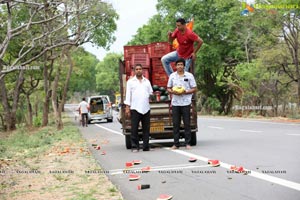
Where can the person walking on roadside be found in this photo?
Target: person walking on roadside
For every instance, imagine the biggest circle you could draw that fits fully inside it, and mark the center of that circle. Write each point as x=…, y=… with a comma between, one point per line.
x=181, y=101
x=138, y=91
x=186, y=39
x=83, y=108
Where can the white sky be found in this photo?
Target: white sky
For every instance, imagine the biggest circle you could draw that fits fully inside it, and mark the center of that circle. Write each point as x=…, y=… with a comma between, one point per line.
x=133, y=14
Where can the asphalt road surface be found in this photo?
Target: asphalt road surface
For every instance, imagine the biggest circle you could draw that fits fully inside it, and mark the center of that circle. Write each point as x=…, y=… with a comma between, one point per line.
x=268, y=151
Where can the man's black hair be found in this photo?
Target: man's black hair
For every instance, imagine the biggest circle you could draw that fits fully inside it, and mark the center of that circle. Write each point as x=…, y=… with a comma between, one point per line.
x=180, y=60
x=181, y=20
x=138, y=65
x=83, y=99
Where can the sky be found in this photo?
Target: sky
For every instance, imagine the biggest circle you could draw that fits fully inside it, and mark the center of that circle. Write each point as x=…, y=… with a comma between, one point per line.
x=133, y=14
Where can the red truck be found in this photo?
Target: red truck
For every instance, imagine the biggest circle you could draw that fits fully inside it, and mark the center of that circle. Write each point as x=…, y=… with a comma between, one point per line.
x=161, y=126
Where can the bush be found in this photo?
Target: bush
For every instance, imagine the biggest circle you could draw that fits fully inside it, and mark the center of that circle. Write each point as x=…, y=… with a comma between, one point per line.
x=37, y=121
x=211, y=104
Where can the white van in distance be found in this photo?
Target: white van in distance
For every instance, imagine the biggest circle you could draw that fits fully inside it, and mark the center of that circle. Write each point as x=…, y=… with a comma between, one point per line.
x=100, y=108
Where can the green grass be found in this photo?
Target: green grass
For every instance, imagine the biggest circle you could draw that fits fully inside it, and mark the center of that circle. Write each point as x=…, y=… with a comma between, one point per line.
x=60, y=177
x=83, y=195
x=24, y=144
x=112, y=189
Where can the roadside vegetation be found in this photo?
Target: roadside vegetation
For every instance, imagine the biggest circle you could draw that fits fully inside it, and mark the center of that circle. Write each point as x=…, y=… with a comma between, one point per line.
x=48, y=164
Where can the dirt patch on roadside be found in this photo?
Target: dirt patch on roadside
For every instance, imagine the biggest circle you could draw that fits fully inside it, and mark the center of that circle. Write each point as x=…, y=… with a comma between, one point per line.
x=59, y=173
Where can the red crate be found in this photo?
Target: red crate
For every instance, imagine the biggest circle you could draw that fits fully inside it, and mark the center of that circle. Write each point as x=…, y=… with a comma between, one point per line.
x=157, y=65
x=129, y=50
x=159, y=78
x=140, y=58
x=128, y=67
x=160, y=83
x=159, y=49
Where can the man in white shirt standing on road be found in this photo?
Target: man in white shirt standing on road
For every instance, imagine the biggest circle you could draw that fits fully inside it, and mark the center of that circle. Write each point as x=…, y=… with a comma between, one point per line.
x=181, y=102
x=138, y=91
x=83, y=108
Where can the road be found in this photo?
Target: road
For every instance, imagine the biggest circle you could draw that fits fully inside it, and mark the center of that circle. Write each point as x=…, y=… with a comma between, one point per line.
x=269, y=152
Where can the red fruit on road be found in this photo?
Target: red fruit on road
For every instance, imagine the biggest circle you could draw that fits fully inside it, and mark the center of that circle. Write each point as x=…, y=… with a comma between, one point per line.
x=143, y=186
x=134, y=177
x=192, y=159
x=136, y=162
x=214, y=163
x=146, y=169
x=128, y=164
x=164, y=197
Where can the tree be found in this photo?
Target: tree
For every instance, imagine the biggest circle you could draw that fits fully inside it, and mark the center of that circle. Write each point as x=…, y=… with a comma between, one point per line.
x=40, y=29
x=108, y=74
x=27, y=90
x=291, y=35
x=155, y=31
x=216, y=22
x=83, y=78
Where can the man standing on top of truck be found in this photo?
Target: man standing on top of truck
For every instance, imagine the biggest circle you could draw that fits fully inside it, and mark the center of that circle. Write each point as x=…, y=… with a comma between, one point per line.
x=138, y=91
x=186, y=39
x=181, y=85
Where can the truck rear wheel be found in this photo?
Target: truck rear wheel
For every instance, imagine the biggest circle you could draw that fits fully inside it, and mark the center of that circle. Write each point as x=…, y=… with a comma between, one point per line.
x=128, y=141
x=109, y=120
x=193, y=138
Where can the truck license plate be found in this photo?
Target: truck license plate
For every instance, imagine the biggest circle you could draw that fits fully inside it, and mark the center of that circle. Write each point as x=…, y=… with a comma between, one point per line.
x=156, y=127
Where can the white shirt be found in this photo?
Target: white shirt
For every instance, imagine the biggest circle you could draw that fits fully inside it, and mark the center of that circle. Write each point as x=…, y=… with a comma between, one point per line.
x=188, y=82
x=137, y=94
x=83, y=106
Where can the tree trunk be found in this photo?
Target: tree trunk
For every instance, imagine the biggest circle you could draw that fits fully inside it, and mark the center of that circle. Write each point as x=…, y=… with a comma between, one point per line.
x=30, y=113
x=299, y=95
x=57, y=115
x=276, y=105
x=5, y=105
x=46, y=100
x=36, y=107
x=2, y=122
x=58, y=107
x=10, y=111
x=65, y=89
x=47, y=76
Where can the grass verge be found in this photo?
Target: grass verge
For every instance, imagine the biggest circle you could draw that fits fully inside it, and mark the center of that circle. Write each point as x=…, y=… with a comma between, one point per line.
x=51, y=164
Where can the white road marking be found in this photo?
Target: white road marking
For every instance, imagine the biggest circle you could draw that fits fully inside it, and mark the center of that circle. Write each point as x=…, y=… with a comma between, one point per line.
x=215, y=127
x=250, y=131
x=158, y=168
x=293, y=134
x=110, y=130
x=279, y=181
x=272, y=179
